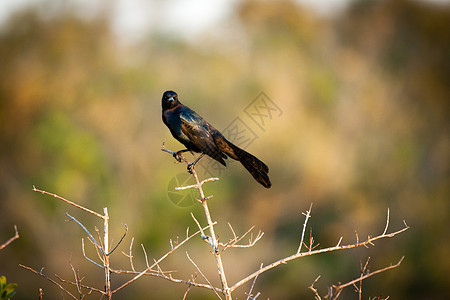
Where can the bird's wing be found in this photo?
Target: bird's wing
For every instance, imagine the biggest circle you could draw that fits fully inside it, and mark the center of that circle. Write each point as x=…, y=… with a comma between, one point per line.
x=196, y=129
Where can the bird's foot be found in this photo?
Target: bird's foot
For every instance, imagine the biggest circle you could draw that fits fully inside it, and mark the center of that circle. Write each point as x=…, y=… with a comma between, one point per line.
x=190, y=168
x=177, y=155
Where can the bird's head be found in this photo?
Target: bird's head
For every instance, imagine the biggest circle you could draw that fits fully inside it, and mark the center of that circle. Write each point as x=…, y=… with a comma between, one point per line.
x=169, y=100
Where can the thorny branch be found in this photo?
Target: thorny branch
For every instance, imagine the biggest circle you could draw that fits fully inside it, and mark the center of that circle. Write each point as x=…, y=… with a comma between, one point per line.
x=335, y=290
x=368, y=241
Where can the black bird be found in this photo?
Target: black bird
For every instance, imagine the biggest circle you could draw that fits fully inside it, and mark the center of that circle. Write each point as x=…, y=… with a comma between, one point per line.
x=197, y=135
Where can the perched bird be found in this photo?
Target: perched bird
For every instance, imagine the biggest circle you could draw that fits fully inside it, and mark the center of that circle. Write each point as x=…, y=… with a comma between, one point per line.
x=190, y=129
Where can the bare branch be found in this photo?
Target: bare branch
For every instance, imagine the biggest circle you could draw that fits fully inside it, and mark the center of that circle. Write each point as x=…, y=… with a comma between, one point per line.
x=49, y=279
x=307, y=216
x=130, y=256
x=203, y=236
x=90, y=288
x=160, y=271
x=146, y=257
x=249, y=296
x=233, y=243
x=201, y=273
x=15, y=237
x=169, y=278
x=87, y=258
x=213, y=239
x=342, y=286
x=312, y=288
x=106, y=253
x=77, y=280
x=87, y=231
x=99, y=236
x=98, y=250
x=196, y=185
x=187, y=291
x=335, y=291
x=144, y=272
x=234, y=233
x=120, y=241
x=69, y=202
x=369, y=241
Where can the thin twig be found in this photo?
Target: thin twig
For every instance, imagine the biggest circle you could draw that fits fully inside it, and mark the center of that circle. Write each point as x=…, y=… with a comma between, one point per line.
x=15, y=237
x=233, y=243
x=130, y=255
x=199, y=227
x=49, y=279
x=312, y=288
x=120, y=241
x=249, y=296
x=99, y=255
x=93, y=289
x=363, y=271
x=201, y=273
x=169, y=278
x=87, y=231
x=387, y=222
x=85, y=256
x=77, y=280
x=196, y=185
x=145, y=256
x=187, y=291
x=307, y=216
x=158, y=261
x=69, y=202
x=341, y=286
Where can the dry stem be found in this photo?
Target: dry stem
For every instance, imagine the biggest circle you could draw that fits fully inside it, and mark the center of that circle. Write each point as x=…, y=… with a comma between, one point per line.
x=335, y=290
x=213, y=240
x=40, y=273
x=15, y=237
x=233, y=242
x=310, y=252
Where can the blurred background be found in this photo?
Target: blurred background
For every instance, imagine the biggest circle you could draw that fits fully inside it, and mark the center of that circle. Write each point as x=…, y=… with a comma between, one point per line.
x=362, y=90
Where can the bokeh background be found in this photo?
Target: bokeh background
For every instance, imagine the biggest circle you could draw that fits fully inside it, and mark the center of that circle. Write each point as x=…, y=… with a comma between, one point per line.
x=364, y=90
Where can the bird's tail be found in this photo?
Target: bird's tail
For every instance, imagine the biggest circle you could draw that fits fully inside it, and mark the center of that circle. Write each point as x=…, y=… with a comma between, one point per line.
x=257, y=168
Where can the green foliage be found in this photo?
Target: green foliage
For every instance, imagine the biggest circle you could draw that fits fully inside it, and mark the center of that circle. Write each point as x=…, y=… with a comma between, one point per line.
x=7, y=291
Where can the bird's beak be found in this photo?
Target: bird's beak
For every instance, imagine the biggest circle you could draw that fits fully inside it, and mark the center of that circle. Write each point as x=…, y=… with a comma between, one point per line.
x=171, y=99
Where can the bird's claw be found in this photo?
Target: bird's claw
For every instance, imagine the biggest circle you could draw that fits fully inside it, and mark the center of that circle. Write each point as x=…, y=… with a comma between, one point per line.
x=190, y=168
x=177, y=156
